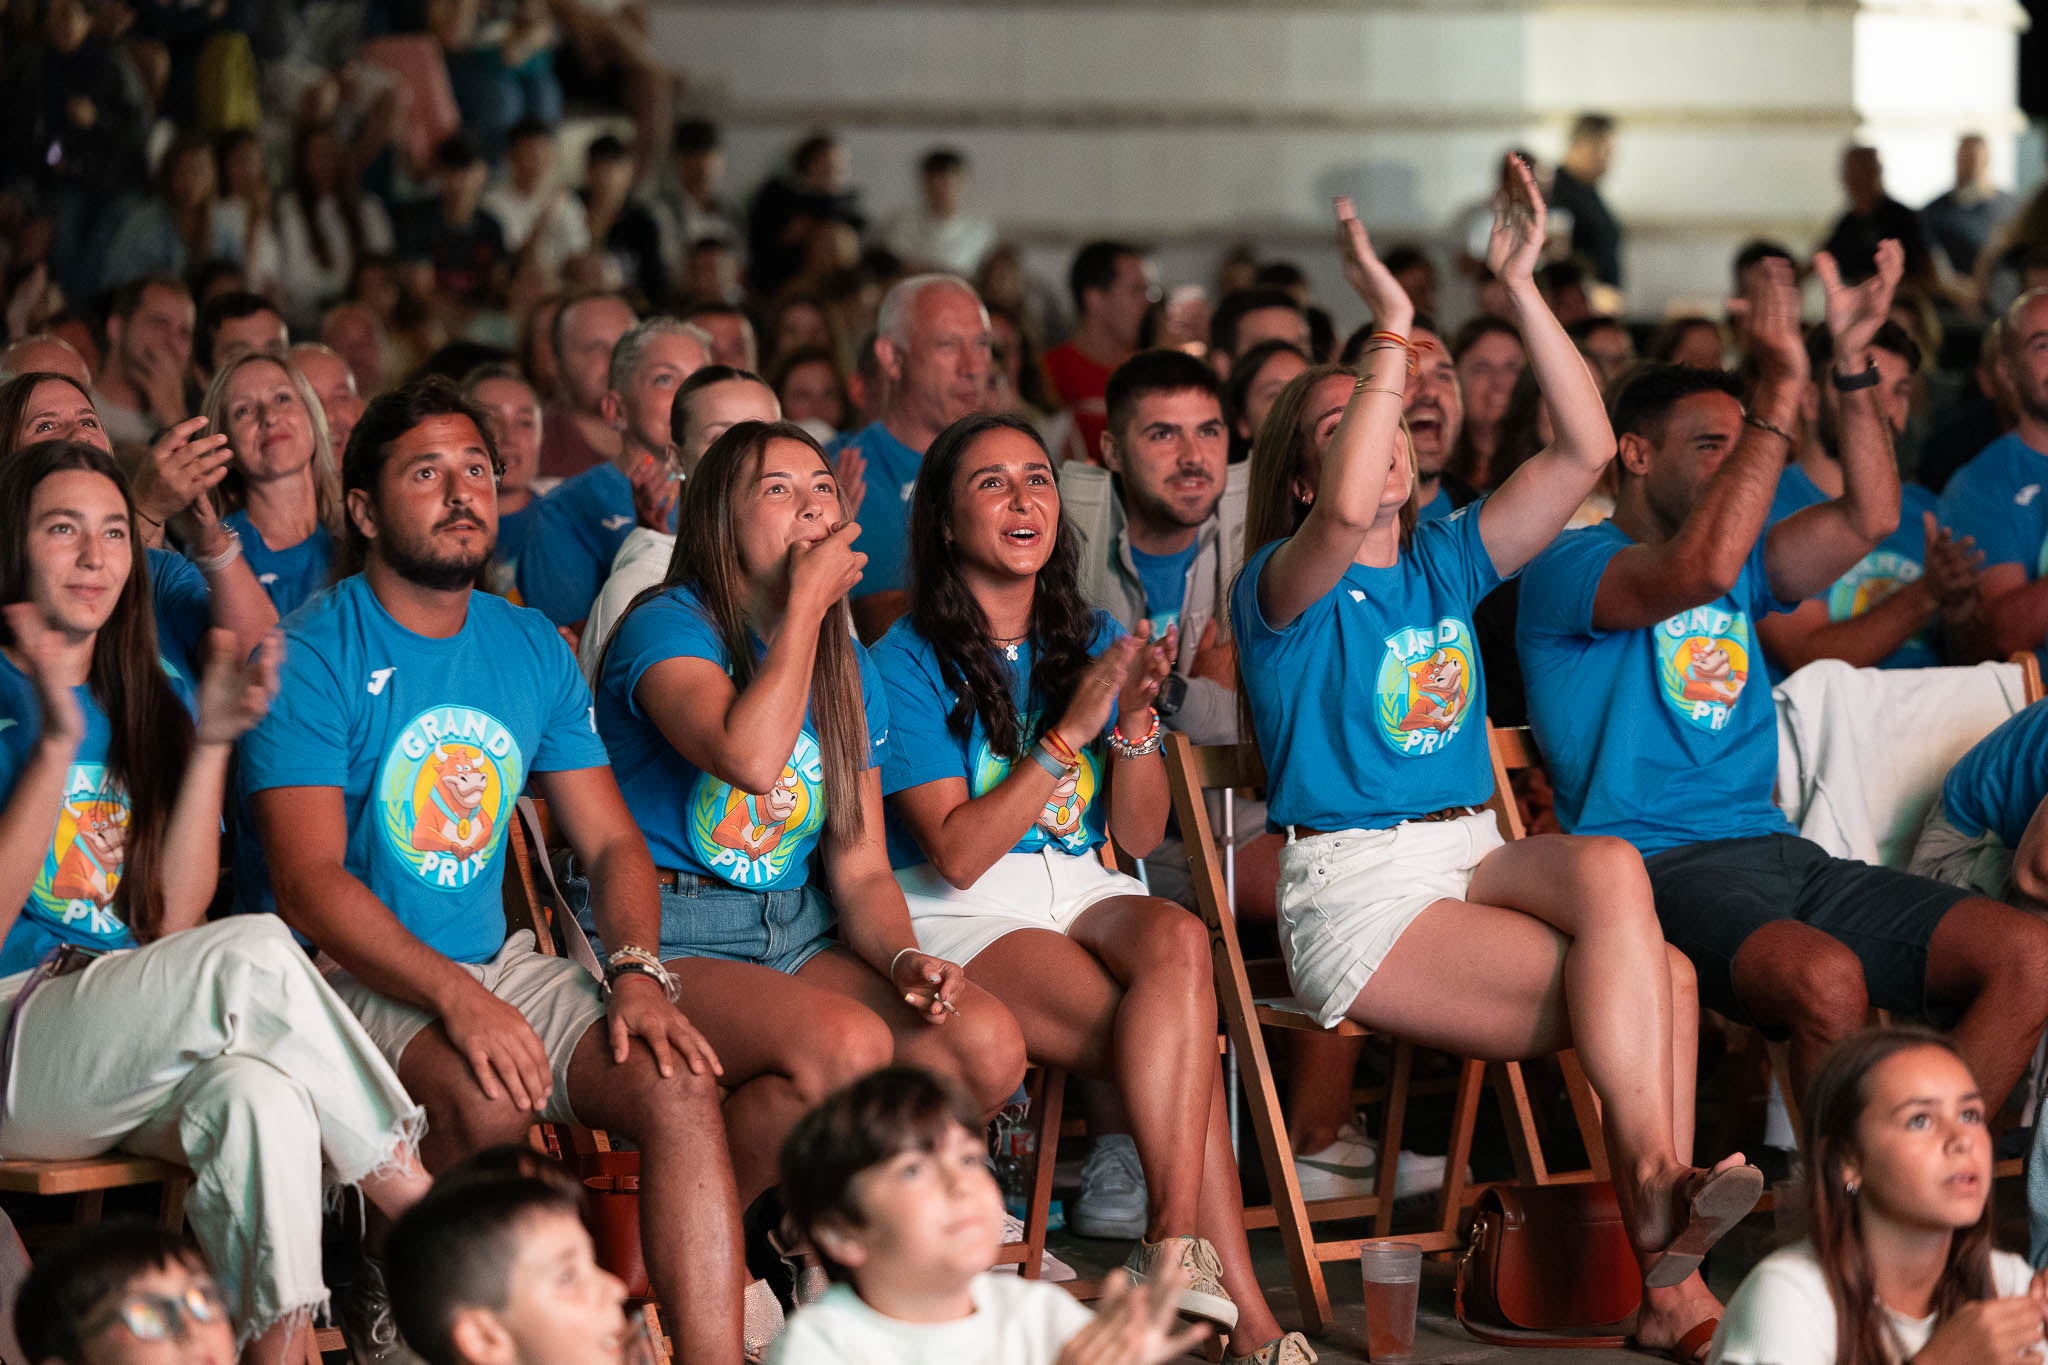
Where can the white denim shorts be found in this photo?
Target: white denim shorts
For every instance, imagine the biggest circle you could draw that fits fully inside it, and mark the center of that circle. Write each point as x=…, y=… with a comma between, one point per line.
x=1346, y=896
x=1046, y=890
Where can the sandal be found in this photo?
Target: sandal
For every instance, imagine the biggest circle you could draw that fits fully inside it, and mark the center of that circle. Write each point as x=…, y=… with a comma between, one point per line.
x=1720, y=1201
x=1691, y=1348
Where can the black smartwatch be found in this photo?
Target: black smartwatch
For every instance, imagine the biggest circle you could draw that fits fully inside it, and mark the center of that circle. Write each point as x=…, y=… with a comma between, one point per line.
x=1172, y=693
x=1849, y=383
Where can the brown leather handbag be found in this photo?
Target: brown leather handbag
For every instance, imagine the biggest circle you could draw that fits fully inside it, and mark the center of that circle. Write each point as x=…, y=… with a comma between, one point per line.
x=611, y=1183
x=1548, y=1265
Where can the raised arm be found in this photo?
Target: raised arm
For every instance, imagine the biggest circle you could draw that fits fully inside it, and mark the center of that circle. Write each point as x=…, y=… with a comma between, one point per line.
x=235, y=690
x=742, y=736
x=1138, y=799
x=962, y=836
x=29, y=821
x=1816, y=545
x=1536, y=501
x=1648, y=582
x=1360, y=457
x=174, y=487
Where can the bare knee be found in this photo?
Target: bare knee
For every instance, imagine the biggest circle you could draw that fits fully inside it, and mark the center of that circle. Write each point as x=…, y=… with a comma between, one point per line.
x=1685, y=983
x=1612, y=870
x=1177, y=941
x=987, y=1050
x=1999, y=951
x=839, y=1048
x=1814, y=983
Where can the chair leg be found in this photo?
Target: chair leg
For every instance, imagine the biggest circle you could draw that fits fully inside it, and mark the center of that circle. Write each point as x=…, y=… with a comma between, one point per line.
x=1464, y=1117
x=171, y=1211
x=1276, y=1155
x=1398, y=1075
x=1048, y=1101
x=1524, y=1140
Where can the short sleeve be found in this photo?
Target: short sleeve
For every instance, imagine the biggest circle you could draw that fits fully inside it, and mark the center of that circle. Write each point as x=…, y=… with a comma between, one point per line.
x=1780, y=1315
x=1762, y=600
x=1972, y=505
x=670, y=626
x=568, y=737
x=875, y=701
x=921, y=748
x=304, y=741
x=1248, y=618
x=1478, y=574
x=1560, y=585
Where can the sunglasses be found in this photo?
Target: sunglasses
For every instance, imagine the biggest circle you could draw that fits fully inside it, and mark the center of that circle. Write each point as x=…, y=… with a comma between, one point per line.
x=160, y=1317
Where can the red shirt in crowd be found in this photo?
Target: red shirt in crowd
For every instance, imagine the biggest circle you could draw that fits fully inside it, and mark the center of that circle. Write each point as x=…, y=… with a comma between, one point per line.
x=1080, y=383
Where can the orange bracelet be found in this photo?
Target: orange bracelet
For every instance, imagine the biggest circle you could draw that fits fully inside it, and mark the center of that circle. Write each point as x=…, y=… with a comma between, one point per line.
x=1394, y=337
x=1061, y=750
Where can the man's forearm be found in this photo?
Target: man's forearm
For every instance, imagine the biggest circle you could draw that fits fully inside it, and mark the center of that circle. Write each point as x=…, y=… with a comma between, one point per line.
x=1732, y=507
x=625, y=900
x=1870, y=473
x=346, y=921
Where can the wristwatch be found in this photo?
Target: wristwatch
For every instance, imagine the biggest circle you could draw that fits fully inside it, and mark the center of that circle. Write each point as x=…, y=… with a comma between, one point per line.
x=1866, y=378
x=1173, y=694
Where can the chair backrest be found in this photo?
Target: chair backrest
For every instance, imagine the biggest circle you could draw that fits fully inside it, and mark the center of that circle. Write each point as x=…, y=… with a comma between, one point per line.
x=1191, y=773
x=526, y=904
x=2030, y=675
x=1512, y=749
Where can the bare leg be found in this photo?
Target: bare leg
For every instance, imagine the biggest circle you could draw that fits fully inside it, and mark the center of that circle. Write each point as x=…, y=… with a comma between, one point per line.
x=979, y=1049
x=1685, y=1052
x=1995, y=958
x=1319, y=1091
x=1795, y=979
x=283, y=1344
x=689, y=1212
x=785, y=1044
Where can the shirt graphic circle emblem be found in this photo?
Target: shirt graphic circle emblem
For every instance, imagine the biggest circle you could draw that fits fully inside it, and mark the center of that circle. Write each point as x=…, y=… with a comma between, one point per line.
x=82, y=869
x=752, y=839
x=1064, y=818
x=1870, y=581
x=447, y=789
x=1703, y=663
x=1424, y=689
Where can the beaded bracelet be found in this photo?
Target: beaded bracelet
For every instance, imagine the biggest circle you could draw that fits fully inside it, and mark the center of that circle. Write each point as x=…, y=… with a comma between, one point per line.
x=1124, y=748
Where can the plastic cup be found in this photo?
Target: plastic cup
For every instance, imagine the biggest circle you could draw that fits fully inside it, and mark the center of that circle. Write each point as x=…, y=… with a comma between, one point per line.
x=1393, y=1283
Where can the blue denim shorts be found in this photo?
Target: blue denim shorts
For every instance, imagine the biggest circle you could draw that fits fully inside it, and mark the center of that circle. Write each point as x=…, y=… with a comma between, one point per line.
x=709, y=917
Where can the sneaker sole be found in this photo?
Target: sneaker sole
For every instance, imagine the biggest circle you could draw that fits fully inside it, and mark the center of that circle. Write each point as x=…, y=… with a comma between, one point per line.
x=1105, y=1229
x=1216, y=1308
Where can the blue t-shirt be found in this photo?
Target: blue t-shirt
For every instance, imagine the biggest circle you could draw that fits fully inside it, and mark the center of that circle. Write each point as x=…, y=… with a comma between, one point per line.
x=884, y=514
x=1663, y=735
x=290, y=575
x=1165, y=580
x=572, y=540
x=430, y=742
x=1900, y=558
x=2001, y=498
x=72, y=897
x=1370, y=707
x=1997, y=785
x=1438, y=507
x=184, y=613
x=693, y=821
x=513, y=530
x=923, y=748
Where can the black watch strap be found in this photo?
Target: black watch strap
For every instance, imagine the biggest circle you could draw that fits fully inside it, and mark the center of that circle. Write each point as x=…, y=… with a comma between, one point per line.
x=1173, y=693
x=1849, y=383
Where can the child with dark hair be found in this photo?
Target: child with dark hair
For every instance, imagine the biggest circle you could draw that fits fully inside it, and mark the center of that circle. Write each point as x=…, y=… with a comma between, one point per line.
x=117, y=1292
x=888, y=1179
x=495, y=1265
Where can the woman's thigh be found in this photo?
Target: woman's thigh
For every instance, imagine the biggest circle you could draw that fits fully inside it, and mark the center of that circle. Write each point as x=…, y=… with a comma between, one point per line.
x=1475, y=980
x=1063, y=996
x=760, y=1021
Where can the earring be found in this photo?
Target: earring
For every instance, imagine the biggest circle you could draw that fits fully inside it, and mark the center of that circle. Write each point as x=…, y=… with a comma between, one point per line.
x=1849, y=1187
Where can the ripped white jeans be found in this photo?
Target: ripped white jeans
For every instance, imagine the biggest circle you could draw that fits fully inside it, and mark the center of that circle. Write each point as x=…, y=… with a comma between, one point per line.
x=220, y=1048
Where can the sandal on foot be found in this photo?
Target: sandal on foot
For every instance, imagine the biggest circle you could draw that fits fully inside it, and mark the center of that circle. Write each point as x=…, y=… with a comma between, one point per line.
x=1291, y=1349
x=1691, y=1348
x=1718, y=1203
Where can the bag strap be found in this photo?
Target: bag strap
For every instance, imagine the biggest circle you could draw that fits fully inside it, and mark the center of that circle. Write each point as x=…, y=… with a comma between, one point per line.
x=578, y=942
x=1510, y=1336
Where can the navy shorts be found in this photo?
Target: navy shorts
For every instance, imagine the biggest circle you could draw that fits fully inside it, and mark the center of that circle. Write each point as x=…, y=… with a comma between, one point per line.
x=709, y=917
x=1712, y=896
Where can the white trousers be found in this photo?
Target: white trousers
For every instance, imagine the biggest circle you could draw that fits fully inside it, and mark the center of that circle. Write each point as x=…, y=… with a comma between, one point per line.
x=221, y=1048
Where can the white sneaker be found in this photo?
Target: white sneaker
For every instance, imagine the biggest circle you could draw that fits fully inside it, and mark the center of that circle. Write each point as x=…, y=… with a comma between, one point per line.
x=1111, y=1204
x=762, y=1313
x=1050, y=1267
x=1204, y=1295
x=1349, y=1168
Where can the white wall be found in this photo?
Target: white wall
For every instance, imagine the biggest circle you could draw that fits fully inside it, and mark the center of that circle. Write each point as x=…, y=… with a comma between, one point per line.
x=1193, y=123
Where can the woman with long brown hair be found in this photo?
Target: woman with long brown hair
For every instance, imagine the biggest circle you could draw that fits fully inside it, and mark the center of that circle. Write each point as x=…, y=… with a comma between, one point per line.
x=282, y=494
x=209, y=585
x=746, y=727
x=1400, y=906
x=135, y=1024
x=1897, y=1264
x=1022, y=736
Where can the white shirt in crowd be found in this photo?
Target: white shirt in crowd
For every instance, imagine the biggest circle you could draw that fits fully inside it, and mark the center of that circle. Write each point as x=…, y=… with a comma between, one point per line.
x=551, y=212
x=642, y=562
x=1782, y=1315
x=1015, y=1322
x=958, y=244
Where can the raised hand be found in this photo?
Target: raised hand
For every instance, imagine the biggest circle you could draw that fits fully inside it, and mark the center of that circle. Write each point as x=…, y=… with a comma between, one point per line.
x=1135, y=1324
x=1988, y=1329
x=235, y=694
x=1087, y=713
x=1516, y=243
x=823, y=571
x=42, y=650
x=1148, y=670
x=1215, y=659
x=1952, y=565
x=654, y=493
x=1769, y=309
x=161, y=383
x=1855, y=312
x=184, y=466
x=1392, y=309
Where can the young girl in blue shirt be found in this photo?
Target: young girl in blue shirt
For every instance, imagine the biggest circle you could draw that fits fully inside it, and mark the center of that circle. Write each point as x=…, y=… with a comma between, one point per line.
x=1400, y=906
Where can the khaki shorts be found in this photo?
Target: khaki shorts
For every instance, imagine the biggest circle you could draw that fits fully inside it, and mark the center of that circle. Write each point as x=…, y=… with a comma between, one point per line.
x=559, y=999
x=1976, y=862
